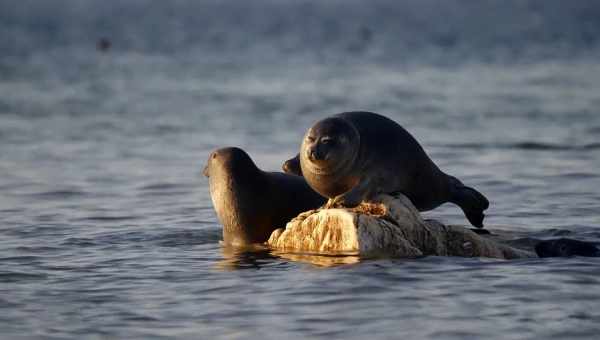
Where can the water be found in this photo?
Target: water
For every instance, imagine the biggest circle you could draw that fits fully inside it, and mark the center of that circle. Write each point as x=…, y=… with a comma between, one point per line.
x=107, y=230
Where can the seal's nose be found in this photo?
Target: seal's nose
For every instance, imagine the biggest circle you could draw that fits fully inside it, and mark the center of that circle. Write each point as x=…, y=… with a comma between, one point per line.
x=314, y=154
x=205, y=171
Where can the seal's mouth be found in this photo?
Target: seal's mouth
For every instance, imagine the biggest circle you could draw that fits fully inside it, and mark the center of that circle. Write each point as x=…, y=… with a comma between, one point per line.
x=320, y=167
x=320, y=163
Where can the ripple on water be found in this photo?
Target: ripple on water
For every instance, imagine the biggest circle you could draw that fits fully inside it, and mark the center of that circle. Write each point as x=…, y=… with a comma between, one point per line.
x=164, y=189
x=576, y=231
x=21, y=277
x=59, y=194
x=108, y=219
x=162, y=186
x=172, y=238
x=578, y=175
x=38, y=231
x=189, y=237
x=526, y=145
x=25, y=259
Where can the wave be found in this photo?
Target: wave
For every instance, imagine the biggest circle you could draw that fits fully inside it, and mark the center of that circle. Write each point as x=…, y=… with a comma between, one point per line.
x=59, y=194
x=108, y=218
x=12, y=277
x=536, y=146
x=175, y=238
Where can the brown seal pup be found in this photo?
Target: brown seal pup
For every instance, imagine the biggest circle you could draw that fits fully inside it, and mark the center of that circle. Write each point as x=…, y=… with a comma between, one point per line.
x=251, y=203
x=353, y=156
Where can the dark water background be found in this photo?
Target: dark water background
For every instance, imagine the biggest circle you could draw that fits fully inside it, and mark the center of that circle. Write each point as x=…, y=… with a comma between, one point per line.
x=106, y=225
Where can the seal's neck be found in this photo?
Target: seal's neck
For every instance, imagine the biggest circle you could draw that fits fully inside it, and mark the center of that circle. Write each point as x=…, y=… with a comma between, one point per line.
x=233, y=197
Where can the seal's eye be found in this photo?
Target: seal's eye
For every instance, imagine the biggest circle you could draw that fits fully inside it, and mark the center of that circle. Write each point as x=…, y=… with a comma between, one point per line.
x=327, y=140
x=310, y=139
x=214, y=155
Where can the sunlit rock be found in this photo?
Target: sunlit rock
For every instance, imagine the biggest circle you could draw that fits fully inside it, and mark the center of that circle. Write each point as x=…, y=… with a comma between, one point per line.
x=391, y=226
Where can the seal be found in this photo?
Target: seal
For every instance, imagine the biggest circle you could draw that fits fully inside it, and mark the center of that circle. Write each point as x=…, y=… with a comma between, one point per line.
x=353, y=156
x=251, y=203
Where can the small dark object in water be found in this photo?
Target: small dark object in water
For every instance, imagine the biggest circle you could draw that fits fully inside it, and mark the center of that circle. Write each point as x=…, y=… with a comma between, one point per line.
x=103, y=44
x=564, y=247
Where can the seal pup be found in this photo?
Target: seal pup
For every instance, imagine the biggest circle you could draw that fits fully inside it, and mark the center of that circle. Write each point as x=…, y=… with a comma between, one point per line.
x=353, y=156
x=251, y=203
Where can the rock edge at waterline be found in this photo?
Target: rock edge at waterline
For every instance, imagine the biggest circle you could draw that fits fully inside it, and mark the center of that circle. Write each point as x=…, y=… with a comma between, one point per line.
x=390, y=226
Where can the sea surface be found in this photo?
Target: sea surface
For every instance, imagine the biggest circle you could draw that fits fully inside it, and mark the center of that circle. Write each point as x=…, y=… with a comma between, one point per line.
x=107, y=230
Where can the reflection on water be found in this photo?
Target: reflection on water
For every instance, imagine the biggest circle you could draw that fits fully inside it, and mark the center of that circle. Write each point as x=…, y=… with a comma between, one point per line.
x=246, y=257
x=255, y=256
x=320, y=260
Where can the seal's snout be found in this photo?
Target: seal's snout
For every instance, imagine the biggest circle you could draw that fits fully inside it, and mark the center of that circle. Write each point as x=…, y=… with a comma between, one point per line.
x=315, y=155
x=211, y=158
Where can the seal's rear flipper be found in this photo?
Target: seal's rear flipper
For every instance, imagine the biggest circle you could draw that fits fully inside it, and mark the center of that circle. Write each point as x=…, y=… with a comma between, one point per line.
x=480, y=231
x=472, y=203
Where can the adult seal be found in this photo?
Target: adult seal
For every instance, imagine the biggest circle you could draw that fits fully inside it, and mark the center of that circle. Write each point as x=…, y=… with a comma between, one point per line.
x=251, y=203
x=353, y=156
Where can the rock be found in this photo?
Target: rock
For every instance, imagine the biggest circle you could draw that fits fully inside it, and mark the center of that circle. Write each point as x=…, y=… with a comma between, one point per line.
x=564, y=247
x=390, y=226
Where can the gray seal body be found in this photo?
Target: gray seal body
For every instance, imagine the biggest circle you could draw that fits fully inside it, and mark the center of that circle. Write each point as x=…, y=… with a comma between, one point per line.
x=353, y=156
x=251, y=203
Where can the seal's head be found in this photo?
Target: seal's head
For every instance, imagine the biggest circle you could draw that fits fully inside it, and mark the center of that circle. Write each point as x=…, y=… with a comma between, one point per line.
x=228, y=160
x=327, y=156
x=228, y=170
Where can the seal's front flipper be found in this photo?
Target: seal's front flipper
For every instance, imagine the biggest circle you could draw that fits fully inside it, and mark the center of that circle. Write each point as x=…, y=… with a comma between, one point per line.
x=292, y=166
x=352, y=198
x=472, y=203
